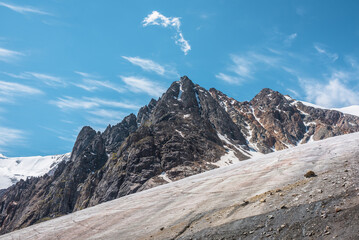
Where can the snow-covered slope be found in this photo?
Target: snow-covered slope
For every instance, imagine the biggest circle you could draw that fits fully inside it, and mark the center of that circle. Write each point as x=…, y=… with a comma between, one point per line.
x=353, y=110
x=16, y=168
x=215, y=199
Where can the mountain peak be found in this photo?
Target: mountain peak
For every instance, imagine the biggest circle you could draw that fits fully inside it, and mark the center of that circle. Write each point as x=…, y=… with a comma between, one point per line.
x=184, y=79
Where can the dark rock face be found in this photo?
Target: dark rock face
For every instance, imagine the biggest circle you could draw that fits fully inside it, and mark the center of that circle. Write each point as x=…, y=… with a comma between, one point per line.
x=115, y=135
x=271, y=121
x=183, y=133
x=44, y=197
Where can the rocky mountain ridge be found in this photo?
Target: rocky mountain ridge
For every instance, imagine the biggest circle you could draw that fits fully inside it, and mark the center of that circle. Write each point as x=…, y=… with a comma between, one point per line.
x=189, y=130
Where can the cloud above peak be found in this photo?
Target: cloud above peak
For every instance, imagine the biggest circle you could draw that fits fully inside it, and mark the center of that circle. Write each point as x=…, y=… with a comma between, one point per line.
x=156, y=18
x=333, y=93
x=243, y=67
x=151, y=66
x=143, y=85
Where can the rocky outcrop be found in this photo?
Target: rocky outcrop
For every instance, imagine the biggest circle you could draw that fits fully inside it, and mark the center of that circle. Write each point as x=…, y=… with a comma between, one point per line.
x=38, y=199
x=272, y=121
x=183, y=133
x=114, y=135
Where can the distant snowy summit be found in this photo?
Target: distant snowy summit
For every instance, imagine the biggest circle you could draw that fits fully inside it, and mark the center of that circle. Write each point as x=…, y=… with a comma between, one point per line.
x=352, y=110
x=14, y=169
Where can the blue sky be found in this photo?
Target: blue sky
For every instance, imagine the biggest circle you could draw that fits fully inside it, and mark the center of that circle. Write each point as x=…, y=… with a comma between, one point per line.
x=66, y=64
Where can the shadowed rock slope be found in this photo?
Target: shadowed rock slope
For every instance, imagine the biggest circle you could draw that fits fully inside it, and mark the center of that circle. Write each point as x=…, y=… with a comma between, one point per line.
x=185, y=132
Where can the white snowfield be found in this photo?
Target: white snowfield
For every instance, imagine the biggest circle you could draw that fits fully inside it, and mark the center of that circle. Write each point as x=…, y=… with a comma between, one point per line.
x=352, y=110
x=166, y=211
x=14, y=169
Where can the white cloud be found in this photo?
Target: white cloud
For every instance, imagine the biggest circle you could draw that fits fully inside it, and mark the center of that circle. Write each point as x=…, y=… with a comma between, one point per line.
x=229, y=79
x=70, y=103
x=333, y=93
x=107, y=113
x=292, y=36
x=289, y=39
x=86, y=87
x=149, y=65
x=8, y=90
x=86, y=75
x=156, y=18
x=98, y=111
x=90, y=85
x=243, y=67
x=295, y=93
x=103, y=116
x=9, y=136
x=146, y=64
x=105, y=84
x=45, y=78
x=23, y=10
x=73, y=103
x=7, y=55
x=67, y=139
x=110, y=103
x=332, y=56
x=140, y=84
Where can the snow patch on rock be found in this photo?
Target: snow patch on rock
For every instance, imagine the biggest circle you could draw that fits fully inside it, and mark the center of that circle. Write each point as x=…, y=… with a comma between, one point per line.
x=227, y=159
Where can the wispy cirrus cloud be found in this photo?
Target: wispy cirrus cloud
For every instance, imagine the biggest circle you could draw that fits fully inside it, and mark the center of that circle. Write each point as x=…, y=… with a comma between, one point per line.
x=107, y=113
x=47, y=79
x=321, y=50
x=7, y=55
x=9, y=90
x=71, y=103
x=10, y=136
x=97, y=111
x=101, y=116
x=156, y=18
x=229, y=78
x=92, y=83
x=87, y=75
x=141, y=84
x=23, y=9
x=243, y=67
x=290, y=38
x=115, y=104
x=151, y=66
